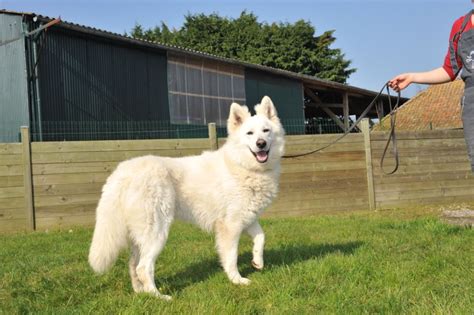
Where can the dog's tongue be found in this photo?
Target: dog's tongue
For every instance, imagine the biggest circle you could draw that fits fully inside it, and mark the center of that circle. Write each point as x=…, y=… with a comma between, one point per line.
x=262, y=156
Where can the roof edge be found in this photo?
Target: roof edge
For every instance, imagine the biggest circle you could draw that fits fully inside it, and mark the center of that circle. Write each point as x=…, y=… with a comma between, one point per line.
x=176, y=49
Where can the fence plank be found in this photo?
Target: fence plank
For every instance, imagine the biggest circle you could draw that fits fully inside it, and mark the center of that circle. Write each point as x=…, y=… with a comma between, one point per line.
x=328, y=166
x=66, y=199
x=13, y=202
x=11, y=170
x=417, y=135
x=73, y=167
x=10, y=159
x=84, y=208
x=12, y=225
x=79, y=178
x=11, y=181
x=10, y=148
x=66, y=221
x=104, y=156
x=432, y=144
x=68, y=189
x=324, y=139
x=11, y=192
x=120, y=145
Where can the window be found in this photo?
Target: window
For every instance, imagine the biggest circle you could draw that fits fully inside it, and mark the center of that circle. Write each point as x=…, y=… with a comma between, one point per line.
x=201, y=91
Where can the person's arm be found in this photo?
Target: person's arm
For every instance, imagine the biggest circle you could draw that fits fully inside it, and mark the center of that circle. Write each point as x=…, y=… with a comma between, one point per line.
x=442, y=74
x=401, y=81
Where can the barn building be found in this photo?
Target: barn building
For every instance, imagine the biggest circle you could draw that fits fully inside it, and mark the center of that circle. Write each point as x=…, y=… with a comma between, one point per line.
x=72, y=82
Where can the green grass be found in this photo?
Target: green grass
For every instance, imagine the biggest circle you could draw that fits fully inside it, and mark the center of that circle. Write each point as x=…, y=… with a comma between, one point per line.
x=379, y=262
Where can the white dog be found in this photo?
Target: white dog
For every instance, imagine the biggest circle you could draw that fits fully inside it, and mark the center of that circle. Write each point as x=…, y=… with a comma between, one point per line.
x=223, y=191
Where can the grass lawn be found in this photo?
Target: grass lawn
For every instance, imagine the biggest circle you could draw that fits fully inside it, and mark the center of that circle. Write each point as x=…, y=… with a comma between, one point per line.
x=394, y=261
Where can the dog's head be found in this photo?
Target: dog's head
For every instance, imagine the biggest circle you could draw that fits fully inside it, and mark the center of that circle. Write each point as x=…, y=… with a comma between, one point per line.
x=257, y=141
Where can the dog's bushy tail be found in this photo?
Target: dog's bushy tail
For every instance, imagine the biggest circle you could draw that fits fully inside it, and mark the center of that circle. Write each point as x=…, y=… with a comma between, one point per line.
x=110, y=233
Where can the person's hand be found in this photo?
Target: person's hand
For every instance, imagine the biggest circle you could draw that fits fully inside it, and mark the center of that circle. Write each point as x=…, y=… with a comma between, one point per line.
x=401, y=81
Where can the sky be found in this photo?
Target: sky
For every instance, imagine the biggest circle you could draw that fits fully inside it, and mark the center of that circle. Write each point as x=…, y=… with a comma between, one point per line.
x=382, y=38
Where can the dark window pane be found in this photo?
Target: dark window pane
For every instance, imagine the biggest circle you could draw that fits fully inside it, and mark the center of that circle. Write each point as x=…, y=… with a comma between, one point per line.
x=224, y=107
x=239, y=87
x=195, y=110
x=225, y=85
x=193, y=81
x=212, y=110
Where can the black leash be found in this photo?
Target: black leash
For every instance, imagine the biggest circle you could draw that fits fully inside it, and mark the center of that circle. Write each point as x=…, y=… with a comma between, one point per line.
x=392, y=138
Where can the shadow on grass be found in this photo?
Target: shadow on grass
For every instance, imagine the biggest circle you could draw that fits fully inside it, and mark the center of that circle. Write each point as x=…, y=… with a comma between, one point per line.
x=274, y=257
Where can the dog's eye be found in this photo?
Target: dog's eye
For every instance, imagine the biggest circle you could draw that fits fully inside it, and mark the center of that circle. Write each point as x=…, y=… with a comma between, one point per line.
x=250, y=133
x=266, y=130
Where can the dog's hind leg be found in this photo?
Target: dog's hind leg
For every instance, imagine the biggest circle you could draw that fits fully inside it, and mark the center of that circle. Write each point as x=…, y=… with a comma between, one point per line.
x=227, y=241
x=151, y=244
x=256, y=233
x=132, y=264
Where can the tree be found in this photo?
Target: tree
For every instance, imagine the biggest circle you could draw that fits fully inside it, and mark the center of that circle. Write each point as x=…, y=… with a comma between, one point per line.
x=293, y=47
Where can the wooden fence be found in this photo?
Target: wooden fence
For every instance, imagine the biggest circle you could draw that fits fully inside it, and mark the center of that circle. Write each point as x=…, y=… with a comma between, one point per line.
x=13, y=212
x=57, y=184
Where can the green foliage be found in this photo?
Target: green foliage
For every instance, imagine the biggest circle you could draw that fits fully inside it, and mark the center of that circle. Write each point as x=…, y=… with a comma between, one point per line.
x=354, y=263
x=287, y=46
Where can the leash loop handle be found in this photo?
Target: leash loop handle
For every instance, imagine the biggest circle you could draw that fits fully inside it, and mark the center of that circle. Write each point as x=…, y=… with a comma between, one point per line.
x=392, y=136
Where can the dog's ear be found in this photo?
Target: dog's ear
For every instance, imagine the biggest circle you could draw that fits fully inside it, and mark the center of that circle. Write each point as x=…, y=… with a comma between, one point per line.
x=267, y=109
x=237, y=115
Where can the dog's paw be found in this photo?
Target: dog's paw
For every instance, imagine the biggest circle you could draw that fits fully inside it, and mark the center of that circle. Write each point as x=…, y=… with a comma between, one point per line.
x=241, y=281
x=165, y=297
x=157, y=294
x=258, y=266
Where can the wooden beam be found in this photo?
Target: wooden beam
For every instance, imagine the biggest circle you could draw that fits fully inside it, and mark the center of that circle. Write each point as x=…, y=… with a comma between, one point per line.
x=313, y=105
x=316, y=86
x=345, y=109
x=333, y=116
x=380, y=109
x=333, y=105
x=313, y=96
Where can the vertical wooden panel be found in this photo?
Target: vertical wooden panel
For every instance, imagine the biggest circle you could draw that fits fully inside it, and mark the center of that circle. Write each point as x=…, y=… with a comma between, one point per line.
x=345, y=104
x=27, y=176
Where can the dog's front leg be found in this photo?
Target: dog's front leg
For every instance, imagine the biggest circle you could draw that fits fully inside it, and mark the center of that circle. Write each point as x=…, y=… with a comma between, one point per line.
x=227, y=241
x=256, y=233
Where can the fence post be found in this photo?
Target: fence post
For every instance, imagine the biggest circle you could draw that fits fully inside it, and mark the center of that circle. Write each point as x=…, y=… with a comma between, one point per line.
x=212, y=136
x=27, y=178
x=368, y=162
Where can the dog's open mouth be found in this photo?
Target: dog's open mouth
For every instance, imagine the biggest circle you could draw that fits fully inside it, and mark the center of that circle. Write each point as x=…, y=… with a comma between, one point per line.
x=261, y=156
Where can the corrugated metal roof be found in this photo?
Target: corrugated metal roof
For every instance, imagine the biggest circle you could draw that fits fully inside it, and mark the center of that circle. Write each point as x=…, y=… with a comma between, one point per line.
x=306, y=79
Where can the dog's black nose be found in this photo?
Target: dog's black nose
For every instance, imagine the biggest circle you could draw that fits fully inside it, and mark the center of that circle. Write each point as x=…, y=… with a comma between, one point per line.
x=261, y=143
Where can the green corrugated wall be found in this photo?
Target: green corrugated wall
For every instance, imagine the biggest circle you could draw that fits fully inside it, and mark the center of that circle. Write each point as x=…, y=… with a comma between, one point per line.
x=286, y=94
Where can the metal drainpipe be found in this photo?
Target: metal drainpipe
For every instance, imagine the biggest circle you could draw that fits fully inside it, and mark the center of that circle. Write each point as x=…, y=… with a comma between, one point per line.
x=30, y=112
x=32, y=72
x=36, y=90
x=34, y=121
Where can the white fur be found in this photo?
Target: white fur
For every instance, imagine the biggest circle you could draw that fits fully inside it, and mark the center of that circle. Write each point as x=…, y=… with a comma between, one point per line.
x=223, y=191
